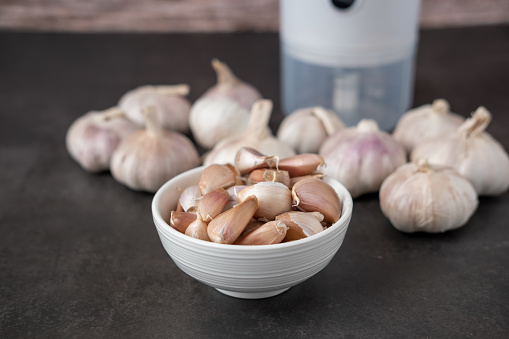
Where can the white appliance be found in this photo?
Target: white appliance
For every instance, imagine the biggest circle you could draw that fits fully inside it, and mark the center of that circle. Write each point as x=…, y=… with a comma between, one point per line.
x=353, y=56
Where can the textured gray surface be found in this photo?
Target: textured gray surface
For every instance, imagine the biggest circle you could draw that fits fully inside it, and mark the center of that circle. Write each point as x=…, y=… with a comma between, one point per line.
x=80, y=256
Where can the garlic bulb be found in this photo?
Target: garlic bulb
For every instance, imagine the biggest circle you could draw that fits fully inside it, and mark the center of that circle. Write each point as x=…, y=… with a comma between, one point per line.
x=172, y=108
x=473, y=153
x=258, y=136
x=426, y=122
x=147, y=159
x=92, y=138
x=428, y=198
x=223, y=110
x=305, y=129
x=361, y=157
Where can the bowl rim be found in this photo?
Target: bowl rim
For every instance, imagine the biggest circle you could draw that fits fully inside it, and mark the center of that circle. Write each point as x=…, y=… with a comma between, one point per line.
x=343, y=222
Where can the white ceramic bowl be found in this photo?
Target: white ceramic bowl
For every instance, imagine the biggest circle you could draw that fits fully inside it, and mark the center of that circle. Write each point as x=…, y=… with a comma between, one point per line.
x=246, y=271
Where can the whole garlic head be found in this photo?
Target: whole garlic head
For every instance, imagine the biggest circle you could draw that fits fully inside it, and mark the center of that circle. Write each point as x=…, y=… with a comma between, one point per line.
x=361, y=157
x=223, y=110
x=148, y=158
x=473, y=153
x=306, y=129
x=427, y=198
x=92, y=138
x=169, y=101
x=257, y=136
x=425, y=123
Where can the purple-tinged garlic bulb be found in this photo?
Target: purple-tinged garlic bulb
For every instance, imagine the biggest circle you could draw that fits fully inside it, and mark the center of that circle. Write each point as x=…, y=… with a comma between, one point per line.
x=92, y=138
x=361, y=157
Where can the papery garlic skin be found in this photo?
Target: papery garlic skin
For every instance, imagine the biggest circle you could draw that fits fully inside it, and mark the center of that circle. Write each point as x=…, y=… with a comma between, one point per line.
x=92, y=138
x=171, y=106
x=214, y=118
x=425, y=123
x=361, y=157
x=419, y=197
x=473, y=153
x=305, y=129
x=258, y=136
x=147, y=159
x=223, y=110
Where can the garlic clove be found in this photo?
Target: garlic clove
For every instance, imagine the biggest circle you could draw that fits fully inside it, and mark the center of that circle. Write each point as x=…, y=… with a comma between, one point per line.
x=216, y=176
x=190, y=197
x=293, y=180
x=181, y=220
x=425, y=123
x=272, y=232
x=92, y=138
x=248, y=159
x=301, y=164
x=146, y=159
x=258, y=136
x=251, y=226
x=315, y=195
x=421, y=197
x=305, y=129
x=227, y=226
x=172, y=108
x=270, y=175
x=198, y=229
x=212, y=204
x=274, y=198
x=473, y=153
x=301, y=224
x=361, y=157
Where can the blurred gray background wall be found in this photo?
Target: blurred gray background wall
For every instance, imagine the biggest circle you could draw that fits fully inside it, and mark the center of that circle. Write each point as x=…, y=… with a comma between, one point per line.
x=206, y=15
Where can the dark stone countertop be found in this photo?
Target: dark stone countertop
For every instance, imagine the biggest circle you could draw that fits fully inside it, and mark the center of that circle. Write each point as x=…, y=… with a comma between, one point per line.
x=80, y=256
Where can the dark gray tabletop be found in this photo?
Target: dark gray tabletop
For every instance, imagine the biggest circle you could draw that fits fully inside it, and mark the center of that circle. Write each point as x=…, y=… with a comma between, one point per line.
x=80, y=256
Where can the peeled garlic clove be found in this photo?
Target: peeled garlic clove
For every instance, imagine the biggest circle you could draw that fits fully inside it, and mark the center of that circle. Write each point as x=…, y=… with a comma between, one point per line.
x=272, y=232
x=473, y=153
x=190, y=197
x=171, y=106
x=361, y=157
x=425, y=123
x=248, y=159
x=198, y=229
x=92, y=138
x=258, y=136
x=315, y=195
x=180, y=220
x=223, y=110
x=301, y=164
x=428, y=198
x=274, y=198
x=146, y=159
x=227, y=226
x=212, y=204
x=305, y=129
x=301, y=224
x=216, y=176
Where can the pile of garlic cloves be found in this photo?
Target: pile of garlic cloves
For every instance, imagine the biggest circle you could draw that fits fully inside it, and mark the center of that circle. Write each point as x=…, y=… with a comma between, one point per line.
x=261, y=200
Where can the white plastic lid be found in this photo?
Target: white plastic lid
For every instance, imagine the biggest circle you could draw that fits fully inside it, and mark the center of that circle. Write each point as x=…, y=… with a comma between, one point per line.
x=368, y=33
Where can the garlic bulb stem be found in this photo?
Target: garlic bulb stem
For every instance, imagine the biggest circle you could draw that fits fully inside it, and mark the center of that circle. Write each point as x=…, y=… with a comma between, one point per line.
x=259, y=119
x=476, y=124
x=151, y=123
x=367, y=125
x=112, y=113
x=180, y=89
x=223, y=72
x=328, y=124
x=440, y=106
